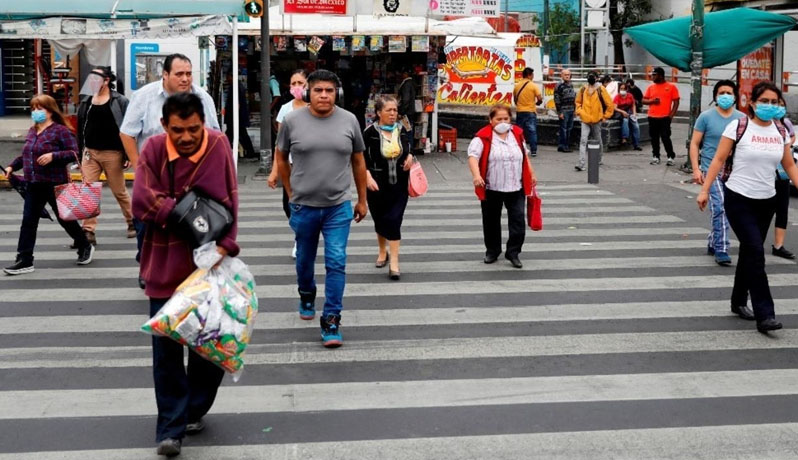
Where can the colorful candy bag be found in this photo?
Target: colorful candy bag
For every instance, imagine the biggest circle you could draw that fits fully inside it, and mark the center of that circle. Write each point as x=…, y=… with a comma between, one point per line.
x=212, y=311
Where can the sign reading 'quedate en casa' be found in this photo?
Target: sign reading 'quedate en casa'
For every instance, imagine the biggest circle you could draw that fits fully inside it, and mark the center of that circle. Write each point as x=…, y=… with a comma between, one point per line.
x=314, y=6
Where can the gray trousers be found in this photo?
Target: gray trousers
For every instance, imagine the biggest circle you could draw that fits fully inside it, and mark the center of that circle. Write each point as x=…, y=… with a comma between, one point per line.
x=589, y=130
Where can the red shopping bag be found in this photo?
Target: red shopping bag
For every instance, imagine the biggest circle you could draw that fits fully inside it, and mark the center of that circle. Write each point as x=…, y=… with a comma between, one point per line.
x=417, y=185
x=534, y=211
x=78, y=201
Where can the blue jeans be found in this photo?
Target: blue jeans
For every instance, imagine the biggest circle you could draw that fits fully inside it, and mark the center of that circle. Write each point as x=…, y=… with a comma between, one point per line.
x=625, y=122
x=333, y=222
x=528, y=121
x=718, y=238
x=566, y=126
x=183, y=394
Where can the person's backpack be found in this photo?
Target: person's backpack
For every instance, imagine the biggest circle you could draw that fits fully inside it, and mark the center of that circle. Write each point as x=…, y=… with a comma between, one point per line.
x=742, y=125
x=601, y=98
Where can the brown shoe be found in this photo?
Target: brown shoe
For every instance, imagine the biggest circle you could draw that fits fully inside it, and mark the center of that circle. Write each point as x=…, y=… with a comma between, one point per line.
x=131, y=231
x=91, y=237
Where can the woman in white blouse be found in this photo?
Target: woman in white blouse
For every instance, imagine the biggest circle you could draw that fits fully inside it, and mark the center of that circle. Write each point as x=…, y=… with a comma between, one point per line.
x=750, y=196
x=503, y=176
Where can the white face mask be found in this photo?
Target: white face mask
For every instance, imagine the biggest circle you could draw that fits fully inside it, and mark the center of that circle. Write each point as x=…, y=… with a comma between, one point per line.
x=502, y=128
x=622, y=93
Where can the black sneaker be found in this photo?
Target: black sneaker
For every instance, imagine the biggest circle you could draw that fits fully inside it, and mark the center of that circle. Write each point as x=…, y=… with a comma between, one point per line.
x=20, y=267
x=782, y=252
x=331, y=331
x=85, y=255
x=169, y=447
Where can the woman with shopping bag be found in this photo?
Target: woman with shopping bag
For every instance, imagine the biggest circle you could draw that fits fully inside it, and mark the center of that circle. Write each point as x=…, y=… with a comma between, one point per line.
x=49, y=147
x=388, y=161
x=503, y=176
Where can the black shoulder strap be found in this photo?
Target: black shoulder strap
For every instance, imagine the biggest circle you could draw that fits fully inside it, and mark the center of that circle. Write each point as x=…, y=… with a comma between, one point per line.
x=520, y=90
x=171, y=166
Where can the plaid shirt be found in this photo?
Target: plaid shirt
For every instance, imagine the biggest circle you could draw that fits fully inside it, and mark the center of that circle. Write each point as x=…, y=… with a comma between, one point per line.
x=56, y=139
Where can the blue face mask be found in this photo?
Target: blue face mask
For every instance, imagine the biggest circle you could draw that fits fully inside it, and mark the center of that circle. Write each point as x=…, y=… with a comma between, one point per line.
x=38, y=116
x=725, y=101
x=781, y=113
x=766, y=112
x=388, y=127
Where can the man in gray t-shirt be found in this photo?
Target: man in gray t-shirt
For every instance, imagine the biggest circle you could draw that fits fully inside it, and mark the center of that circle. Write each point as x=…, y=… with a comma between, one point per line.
x=327, y=148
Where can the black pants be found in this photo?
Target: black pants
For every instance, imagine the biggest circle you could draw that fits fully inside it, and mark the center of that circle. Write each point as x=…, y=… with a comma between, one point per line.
x=492, y=221
x=750, y=220
x=782, y=202
x=183, y=395
x=243, y=138
x=660, y=128
x=37, y=196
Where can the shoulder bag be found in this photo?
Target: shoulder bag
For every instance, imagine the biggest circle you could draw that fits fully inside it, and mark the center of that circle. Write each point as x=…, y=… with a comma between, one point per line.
x=197, y=218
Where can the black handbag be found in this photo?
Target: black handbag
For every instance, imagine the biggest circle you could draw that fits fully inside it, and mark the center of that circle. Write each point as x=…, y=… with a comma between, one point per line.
x=198, y=218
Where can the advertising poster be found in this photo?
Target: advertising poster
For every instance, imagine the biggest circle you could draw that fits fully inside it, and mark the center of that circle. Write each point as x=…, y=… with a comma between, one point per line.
x=391, y=8
x=420, y=43
x=358, y=42
x=752, y=69
x=300, y=44
x=376, y=43
x=397, y=44
x=483, y=72
x=315, y=44
x=339, y=43
x=281, y=43
x=314, y=6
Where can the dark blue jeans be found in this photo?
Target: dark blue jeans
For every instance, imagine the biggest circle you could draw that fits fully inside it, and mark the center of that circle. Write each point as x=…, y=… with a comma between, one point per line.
x=566, y=126
x=528, y=121
x=750, y=220
x=183, y=394
x=38, y=195
x=333, y=222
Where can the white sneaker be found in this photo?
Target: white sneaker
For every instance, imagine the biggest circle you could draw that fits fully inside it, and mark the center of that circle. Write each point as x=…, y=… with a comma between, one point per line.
x=293, y=252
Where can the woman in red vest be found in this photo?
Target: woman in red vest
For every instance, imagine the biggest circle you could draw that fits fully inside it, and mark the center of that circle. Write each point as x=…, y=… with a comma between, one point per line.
x=503, y=175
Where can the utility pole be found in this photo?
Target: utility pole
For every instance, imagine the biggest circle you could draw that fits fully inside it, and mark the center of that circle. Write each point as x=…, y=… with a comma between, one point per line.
x=696, y=63
x=265, y=94
x=546, y=48
x=506, y=16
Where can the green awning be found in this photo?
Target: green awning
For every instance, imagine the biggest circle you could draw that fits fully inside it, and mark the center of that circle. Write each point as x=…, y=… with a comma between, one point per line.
x=728, y=36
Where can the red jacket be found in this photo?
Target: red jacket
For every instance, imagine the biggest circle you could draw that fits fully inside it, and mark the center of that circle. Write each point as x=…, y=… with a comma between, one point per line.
x=486, y=136
x=166, y=259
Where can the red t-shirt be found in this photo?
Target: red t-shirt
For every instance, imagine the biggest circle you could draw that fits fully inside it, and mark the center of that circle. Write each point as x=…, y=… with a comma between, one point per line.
x=667, y=93
x=625, y=103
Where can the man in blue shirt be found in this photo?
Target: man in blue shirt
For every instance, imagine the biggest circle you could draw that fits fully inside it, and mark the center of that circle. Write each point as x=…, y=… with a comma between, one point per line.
x=706, y=135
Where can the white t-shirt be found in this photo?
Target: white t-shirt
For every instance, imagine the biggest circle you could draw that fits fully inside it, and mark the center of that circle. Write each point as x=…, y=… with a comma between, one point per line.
x=285, y=109
x=758, y=154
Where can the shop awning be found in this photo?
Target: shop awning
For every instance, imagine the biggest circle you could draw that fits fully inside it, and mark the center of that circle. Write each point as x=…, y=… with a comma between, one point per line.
x=107, y=9
x=728, y=36
x=316, y=24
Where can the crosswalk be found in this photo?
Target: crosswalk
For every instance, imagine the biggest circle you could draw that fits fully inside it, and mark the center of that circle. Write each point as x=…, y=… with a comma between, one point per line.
x=614, y=341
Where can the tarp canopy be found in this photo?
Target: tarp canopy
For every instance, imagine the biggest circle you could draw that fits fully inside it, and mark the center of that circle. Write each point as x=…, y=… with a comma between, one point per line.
x=728, y=36
x=317, y=24
x=107, y=9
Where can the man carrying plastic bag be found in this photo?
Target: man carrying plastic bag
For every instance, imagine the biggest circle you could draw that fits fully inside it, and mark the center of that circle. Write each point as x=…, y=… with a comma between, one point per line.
x=186, y=158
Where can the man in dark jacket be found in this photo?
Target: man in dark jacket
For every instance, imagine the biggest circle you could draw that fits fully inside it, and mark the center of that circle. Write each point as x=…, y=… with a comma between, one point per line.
x=564, y=97
x=100, y=116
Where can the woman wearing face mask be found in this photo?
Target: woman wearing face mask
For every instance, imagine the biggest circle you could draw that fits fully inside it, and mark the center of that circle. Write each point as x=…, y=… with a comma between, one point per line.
x=750, y=196
x=627, y=109
x=388, y=160
x=708, y=131
x=49, y=147
x=297, y=86
x=99, y=117
x=782, y=193
x=503, y=176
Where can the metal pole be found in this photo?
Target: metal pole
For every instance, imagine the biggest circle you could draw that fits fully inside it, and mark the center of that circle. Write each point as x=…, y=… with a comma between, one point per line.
x=696, y=63
x=506, y=15
x=545, y=34
x=265, y=96
x=582, y=33
x=234, y=93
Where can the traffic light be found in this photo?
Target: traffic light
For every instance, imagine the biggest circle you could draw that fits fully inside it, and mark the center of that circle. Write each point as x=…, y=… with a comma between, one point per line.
x=254, y=8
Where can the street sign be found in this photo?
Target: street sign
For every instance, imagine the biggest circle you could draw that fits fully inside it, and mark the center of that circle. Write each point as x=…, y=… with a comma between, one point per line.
x=254, y=8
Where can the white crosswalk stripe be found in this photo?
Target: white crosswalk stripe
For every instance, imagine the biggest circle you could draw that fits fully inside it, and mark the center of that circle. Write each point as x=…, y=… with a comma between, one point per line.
x=614, y=340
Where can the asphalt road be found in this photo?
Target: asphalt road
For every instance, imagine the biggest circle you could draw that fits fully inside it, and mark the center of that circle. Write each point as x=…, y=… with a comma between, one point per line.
x=614, y=341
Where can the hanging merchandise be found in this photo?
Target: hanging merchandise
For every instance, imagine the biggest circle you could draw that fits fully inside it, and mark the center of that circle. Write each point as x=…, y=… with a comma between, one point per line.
x=397, y=44
x=315, y=44
x=376, y=43
x=358, y=42
x=420, y=43
x=300, y=44
x=281, y=43
x=339, y=44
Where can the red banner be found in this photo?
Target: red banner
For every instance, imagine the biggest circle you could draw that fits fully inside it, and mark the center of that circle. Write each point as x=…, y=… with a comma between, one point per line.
x=753, y=68
x=314, y=6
